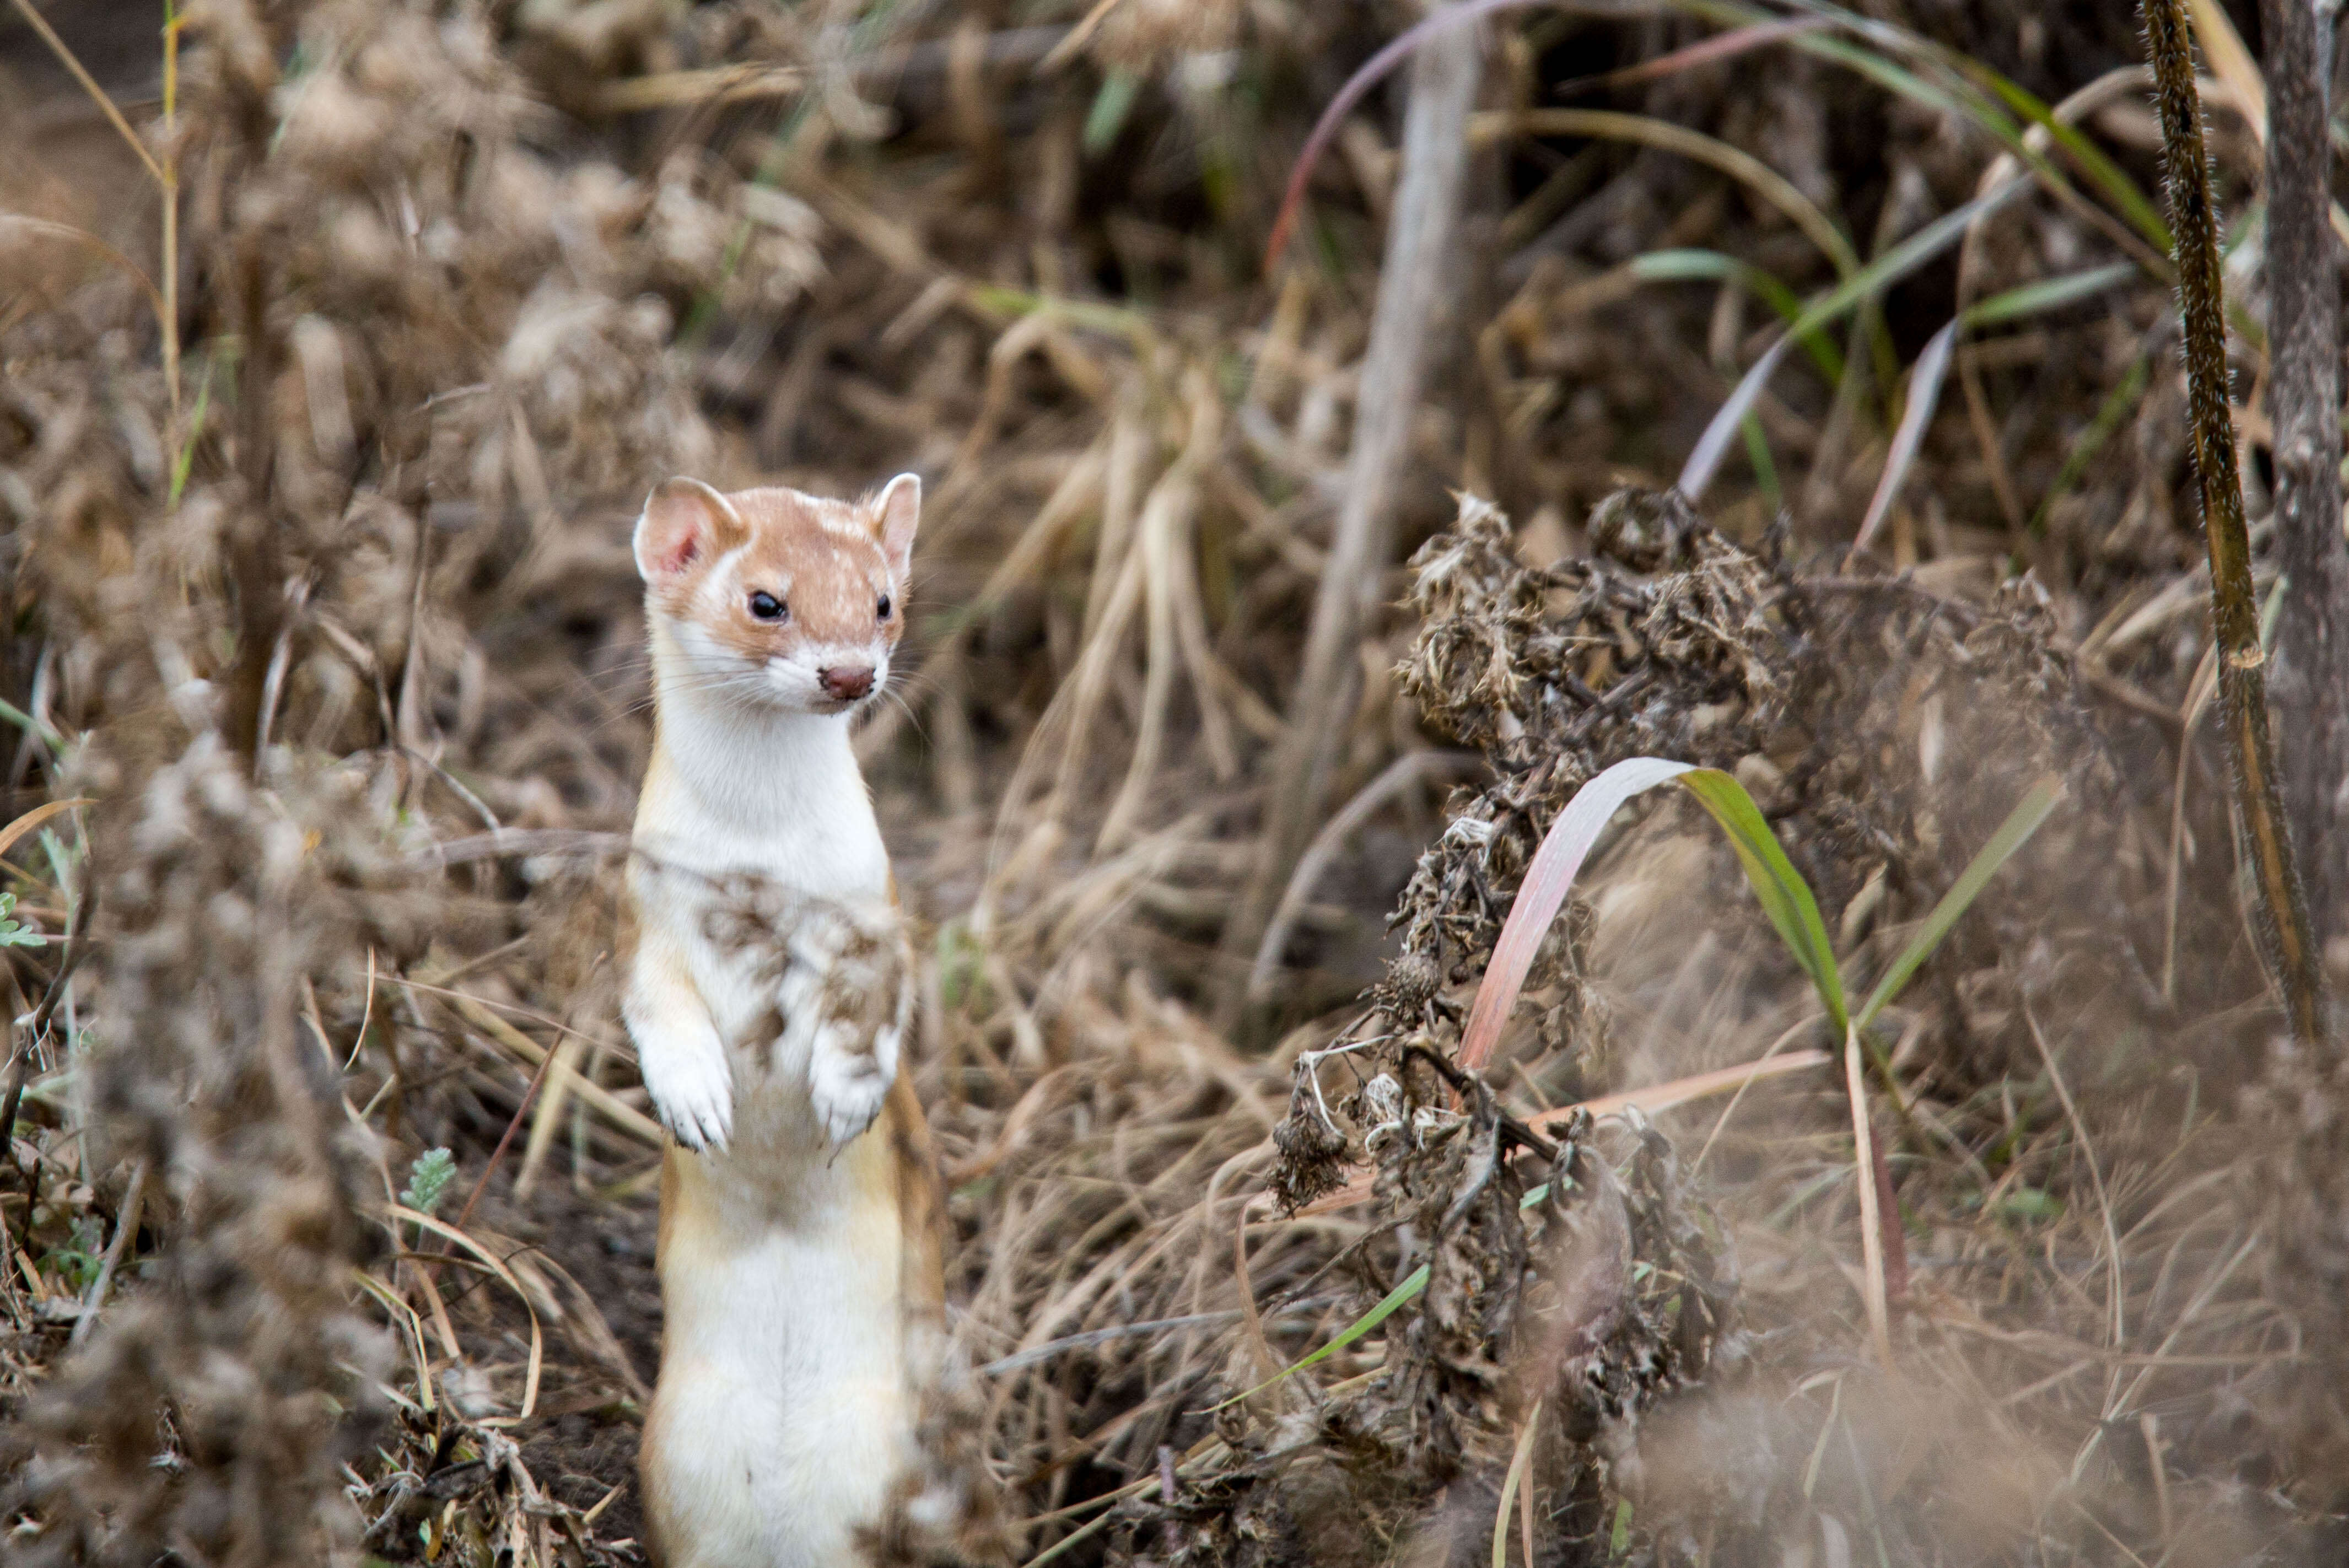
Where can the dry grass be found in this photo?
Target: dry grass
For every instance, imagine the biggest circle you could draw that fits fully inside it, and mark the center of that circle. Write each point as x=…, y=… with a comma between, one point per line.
x=338, y=629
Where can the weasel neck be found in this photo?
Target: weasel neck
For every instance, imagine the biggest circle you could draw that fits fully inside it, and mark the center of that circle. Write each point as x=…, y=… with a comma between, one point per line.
x=739, y=785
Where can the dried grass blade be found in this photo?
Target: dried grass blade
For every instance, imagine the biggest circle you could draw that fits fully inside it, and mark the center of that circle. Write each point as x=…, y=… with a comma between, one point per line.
x=1871, y=1237
x=562, y=1074
x=1967, y=88
x=403, y=1313
x=84, y=237
x=1398, y=776
x=36, y=817
x=1721, y=46
x=617, y=1111
x=1519, y=1463
x=1547, y=883
x=497, y=1265
x=2230, y=62
x=1661, y=1097
x=1649, y=131
x=1924, y=396
x=89, y=85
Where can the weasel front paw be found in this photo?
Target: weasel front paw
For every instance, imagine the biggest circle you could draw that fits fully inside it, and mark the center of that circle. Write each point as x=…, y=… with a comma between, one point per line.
x=692, y=1090
x=849, y=986
x=849, y=1080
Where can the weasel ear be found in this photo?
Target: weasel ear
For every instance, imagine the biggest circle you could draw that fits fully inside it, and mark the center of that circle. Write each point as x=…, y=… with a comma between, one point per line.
x=683, y=521
x=899, y=513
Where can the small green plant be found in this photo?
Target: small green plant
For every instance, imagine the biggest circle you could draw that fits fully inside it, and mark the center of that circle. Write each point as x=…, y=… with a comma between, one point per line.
x=428, y=1180
x=15, y=933
x=13, y=930
x=75, y=1264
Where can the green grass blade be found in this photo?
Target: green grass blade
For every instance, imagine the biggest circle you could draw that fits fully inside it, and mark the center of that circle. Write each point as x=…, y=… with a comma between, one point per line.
x=1784, y=896
x=1879, y=274
x=23, y=720
x=1388, y=1305
x=2048, y=294
x=2116, y=187
x=1110, y=106
x=1906, y=257
x=183, y=461
x=2037, y=802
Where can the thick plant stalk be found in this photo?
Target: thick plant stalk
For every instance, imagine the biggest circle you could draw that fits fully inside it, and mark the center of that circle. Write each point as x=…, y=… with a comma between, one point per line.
x=1418, y=270
x=2266, y=836
x=2312, y=682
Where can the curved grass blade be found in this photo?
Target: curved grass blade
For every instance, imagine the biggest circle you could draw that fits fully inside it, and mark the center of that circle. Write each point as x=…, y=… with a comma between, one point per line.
x=1924, y=395
x=1933, y=367
x=1708, y=51
x=1546, y=881
x=1646, y=130
x=1879, y=274
x=1960, y=88
x=36, y=817
x=2037, y=803
x=1784, y=896
x=1372, y=72
x=1519, y=1462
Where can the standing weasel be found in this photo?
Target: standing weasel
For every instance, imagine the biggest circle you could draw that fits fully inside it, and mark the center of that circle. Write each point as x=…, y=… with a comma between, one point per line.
x=768, y=992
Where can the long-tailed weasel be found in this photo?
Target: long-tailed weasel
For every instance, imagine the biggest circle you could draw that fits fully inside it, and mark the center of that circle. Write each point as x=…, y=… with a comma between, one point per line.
x=767, y=994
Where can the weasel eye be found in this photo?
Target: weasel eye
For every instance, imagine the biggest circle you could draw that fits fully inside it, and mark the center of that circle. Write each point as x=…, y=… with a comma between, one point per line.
x=765, y=606
x=883, y=608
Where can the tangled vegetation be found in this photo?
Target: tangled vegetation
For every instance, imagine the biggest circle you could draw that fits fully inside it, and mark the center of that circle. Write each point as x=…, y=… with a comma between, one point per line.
x=1804, y=382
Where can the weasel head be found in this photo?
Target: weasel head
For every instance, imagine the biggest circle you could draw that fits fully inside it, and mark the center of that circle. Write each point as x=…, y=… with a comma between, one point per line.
x=774, y=600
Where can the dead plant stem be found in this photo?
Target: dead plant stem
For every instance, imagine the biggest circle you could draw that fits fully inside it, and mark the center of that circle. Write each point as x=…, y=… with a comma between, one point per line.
x=2311, y=691
x=2266, y=835
x=1443, y=79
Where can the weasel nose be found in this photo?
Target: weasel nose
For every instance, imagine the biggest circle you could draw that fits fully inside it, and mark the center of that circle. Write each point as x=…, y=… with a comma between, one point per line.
x=846, y=682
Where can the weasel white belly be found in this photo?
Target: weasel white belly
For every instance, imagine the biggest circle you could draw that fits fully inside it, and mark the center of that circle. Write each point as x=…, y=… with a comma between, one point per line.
x=783, y=1412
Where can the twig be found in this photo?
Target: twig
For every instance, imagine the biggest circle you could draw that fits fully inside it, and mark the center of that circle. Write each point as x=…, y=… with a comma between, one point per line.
x=2284, y=929
x=1416, y=271
x=1515, y=1132
x=126, y=1226
x=89, y=85
x=2311, y=687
